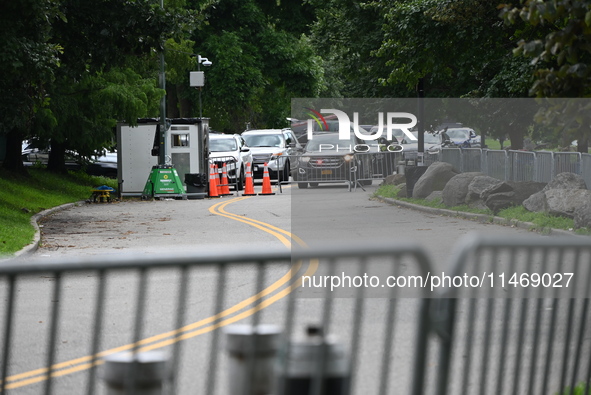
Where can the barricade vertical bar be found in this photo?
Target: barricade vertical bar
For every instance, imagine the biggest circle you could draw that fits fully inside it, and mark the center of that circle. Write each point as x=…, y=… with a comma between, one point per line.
x=53, y=330
x=520, y=339
x=213, y=352
x=580, y=340
x=317, y=384
x=537, y=326
x=358, y=314
x=389, y=340
x=255, y=325
x=443, y=318
x=7, y=332
x=130, y=382
x=180, y=318
x=469, y=343
x=421, y=349
x=551, y=334
x=289, y=320
x=487, y=333
x=98, y=325
x=581, y=336
x=571, y=310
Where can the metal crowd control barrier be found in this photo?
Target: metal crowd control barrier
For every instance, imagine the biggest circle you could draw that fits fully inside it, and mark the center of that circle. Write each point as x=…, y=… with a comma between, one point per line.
x=62, y=319
x=522, y=326
x=540, y=166
x=233, y=173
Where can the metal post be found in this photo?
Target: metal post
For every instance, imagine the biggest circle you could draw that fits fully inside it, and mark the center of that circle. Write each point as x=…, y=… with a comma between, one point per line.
x=252, y=362
x=139, y=374
x=162, y=81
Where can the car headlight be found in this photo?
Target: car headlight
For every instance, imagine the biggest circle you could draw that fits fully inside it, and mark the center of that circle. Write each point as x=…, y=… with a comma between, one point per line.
x=276, y=156
x=349, y=157
x=305, y=159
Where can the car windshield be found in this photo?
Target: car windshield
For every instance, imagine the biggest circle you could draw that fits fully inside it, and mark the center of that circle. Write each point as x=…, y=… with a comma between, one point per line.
x=330, y=142
x=221, y=145
x=262, y=140
x=431, y=138
x=458, y=134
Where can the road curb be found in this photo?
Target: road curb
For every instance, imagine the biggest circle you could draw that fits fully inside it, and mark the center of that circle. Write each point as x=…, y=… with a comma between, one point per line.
x=34, y=245
x=483, y=218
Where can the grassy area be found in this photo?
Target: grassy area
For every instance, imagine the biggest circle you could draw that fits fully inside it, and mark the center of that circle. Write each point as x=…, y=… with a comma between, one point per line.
x=495, y=144
x=23, y=196
x=540, y=220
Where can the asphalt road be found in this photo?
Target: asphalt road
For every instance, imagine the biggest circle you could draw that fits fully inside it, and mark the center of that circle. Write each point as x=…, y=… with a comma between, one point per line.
x=310, y=217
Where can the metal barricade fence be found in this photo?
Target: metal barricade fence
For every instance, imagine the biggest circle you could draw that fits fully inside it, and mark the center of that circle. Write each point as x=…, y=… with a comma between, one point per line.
x=505, y=327
x=234, y=175
x=567, y=162
x=471, y=160
x=544, y=166
x=523, y=328
x=586, y=169
x=497, y=164
x=452, y=156
x=522, y=168
x=62, y=319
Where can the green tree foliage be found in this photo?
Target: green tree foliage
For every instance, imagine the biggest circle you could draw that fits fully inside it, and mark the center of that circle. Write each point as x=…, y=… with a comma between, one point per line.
x=27, y=63
x=347, y=34
x=260, y=62
x=560, y=51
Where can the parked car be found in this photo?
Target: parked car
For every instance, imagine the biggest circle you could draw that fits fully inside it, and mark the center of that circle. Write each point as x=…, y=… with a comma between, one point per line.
x=103, y=165
x=232, y=150
x=463, y=137
x=278, y=148
x=432, y=144
x=328, y=159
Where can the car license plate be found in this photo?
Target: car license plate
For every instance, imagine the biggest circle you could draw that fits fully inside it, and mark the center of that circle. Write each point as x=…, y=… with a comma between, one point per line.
x=255, y=168
x=326, y=172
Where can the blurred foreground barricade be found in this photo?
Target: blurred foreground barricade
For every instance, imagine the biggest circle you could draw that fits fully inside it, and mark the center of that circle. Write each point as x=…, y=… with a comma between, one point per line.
x=505, y=315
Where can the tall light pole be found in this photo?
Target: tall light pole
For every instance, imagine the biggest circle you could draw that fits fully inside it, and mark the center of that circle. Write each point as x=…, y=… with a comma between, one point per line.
x=162, y=83
x=197, y=80
x=205, y=62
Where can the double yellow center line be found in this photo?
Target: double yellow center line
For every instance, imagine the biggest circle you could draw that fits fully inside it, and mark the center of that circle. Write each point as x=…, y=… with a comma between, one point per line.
x=229, y=316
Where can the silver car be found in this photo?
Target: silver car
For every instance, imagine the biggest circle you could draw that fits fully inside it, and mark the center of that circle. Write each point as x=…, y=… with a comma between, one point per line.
x=276, y=147
x=231, y=150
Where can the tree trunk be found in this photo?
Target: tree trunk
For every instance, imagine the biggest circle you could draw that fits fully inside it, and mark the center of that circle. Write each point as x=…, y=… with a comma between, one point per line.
x=14, y=148
x=583, y=144
x=516, y=137
x=57, y=158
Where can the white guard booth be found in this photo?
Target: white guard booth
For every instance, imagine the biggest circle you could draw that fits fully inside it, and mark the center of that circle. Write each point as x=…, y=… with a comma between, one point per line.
x=186, y=143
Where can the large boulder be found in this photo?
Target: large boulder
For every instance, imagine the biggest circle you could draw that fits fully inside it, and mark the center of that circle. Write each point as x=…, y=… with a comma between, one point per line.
x=435, y=196
x=524, y=189
x=434, y=179
x=499, y=201
x=536, y=203
x=564, y=202
x=456, y=189
x=510, y=193
x=566, y=181
x=499, y=187
x=560, y=196
x=583, y=216
x=478, y=185
x=395, y=179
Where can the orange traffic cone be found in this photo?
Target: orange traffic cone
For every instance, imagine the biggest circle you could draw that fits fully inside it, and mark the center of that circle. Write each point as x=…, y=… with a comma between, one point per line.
x=266, y=182
x=213, y=186
x=225, y=187
x=249, y=183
